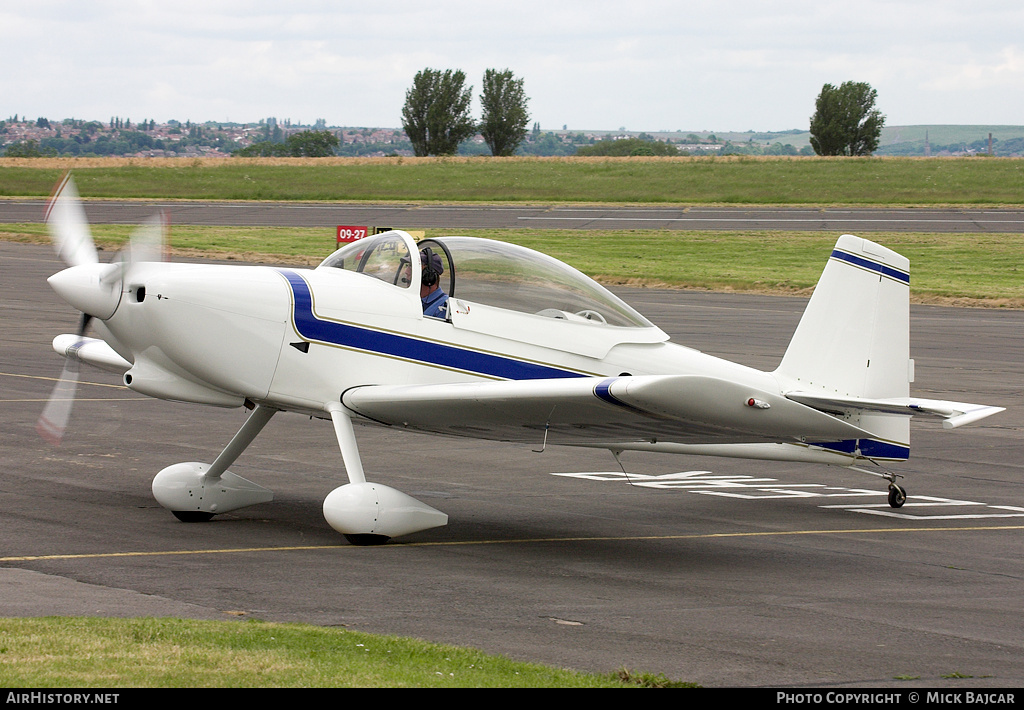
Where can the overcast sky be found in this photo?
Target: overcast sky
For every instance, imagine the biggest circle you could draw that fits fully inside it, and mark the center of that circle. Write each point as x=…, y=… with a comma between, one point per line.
x=727, y=65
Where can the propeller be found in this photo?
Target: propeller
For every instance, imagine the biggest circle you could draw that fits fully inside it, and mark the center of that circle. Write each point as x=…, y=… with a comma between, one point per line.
x=54, y=419
x=92, y=287
x=69, y=229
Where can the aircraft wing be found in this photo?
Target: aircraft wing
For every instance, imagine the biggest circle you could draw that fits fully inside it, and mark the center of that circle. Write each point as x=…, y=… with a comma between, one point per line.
x=953, y=414
x=680, y=408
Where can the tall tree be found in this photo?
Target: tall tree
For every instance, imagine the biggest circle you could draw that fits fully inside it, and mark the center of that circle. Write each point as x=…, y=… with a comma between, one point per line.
x=436, y=112
x=845, y=120
x=504, y=112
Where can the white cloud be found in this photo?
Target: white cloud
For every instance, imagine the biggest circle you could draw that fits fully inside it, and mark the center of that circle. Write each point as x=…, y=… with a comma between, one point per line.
x=997, y=68
x=648, y=65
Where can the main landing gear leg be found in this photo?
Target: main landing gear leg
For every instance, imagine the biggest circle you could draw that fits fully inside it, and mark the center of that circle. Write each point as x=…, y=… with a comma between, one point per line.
x=370, y=513
x=195, y=491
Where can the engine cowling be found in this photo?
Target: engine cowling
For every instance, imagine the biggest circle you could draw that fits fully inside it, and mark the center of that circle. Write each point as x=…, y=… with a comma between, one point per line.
x=153, y=381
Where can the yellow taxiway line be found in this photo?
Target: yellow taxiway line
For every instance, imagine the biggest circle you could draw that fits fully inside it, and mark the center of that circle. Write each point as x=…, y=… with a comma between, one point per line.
x=400, y=546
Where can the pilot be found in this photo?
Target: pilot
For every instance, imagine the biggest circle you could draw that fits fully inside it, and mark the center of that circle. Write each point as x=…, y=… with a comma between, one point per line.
x=435, y=300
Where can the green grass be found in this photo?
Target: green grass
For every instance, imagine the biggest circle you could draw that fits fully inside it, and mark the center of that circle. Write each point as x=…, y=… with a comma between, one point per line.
x=982, y=267
x=972, y=269
x=75, y=652
x=721, y=180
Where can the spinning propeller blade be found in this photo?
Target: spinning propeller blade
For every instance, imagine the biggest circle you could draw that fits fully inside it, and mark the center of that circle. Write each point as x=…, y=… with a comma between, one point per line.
x=97, y=289
x=69, y=228
x=54, y=419
x=149, y=241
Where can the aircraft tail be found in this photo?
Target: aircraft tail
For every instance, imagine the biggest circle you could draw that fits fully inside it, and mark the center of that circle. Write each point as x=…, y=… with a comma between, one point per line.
x=853, y=343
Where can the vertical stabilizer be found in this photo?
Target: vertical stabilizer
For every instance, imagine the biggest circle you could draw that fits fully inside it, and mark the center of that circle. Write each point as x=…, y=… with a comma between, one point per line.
x=854, y=337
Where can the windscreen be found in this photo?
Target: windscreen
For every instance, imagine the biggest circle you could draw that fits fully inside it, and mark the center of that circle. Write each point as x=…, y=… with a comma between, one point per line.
x=382, y=256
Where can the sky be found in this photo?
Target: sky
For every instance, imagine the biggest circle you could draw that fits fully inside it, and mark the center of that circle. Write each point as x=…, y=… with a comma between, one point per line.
x=642, y=65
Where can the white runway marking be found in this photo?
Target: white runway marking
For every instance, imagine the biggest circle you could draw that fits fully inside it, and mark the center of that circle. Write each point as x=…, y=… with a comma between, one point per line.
x=872, y=502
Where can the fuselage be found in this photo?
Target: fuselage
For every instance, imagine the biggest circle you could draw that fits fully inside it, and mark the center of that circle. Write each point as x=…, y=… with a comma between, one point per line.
x=311, y=340
x=295, y=339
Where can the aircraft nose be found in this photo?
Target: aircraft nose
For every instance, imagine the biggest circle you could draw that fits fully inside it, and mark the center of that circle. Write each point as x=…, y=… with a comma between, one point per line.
x=91, y=288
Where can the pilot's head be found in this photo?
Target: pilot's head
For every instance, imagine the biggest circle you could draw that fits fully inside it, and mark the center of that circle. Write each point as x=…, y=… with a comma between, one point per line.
x=432, y=267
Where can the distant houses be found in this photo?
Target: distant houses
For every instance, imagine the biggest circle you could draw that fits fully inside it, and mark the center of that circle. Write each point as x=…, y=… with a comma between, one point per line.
x=149, y=139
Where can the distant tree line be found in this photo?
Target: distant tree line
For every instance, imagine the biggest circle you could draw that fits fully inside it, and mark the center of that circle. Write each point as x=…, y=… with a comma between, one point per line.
x=1000, y=148
x=775, y=148
x=639, y=146
x=540, y=143
x=394, y=148
x=123, y=142
x=305, y=144
x=28, y=149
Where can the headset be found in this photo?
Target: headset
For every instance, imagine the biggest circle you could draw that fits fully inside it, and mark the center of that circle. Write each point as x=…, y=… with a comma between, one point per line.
x=431, y=270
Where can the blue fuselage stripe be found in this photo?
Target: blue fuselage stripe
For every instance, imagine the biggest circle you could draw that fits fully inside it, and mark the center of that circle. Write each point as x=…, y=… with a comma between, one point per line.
x=868, y=448
x=315, y=329
x=878, y=268
x=602, y=390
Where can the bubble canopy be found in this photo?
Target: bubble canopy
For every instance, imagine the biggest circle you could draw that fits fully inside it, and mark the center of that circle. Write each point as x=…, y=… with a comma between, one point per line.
x=495, y=274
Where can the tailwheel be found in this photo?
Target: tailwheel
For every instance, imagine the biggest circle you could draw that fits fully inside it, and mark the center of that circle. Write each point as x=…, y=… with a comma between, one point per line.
x=192, y=516
x=897, y=496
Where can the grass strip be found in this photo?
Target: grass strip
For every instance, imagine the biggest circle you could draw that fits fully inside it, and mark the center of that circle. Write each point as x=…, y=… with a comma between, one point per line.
x=641, y=180
x=956, y=269
x=80, y=652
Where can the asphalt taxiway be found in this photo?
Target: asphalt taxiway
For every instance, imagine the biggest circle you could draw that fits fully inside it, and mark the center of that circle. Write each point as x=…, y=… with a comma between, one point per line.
x=721, y=572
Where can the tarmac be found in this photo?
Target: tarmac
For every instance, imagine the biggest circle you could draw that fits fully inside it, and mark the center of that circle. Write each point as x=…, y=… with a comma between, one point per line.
x=716, y=571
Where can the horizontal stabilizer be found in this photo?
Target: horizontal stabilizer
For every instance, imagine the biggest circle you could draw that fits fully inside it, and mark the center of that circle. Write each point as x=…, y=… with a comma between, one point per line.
x=954, y=414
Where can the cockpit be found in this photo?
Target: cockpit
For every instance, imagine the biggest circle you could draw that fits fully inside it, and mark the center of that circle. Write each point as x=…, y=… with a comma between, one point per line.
x=491, y=273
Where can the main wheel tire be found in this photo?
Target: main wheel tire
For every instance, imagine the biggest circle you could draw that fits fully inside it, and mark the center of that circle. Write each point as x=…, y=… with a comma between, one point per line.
x=366, y=539
x=192, y=516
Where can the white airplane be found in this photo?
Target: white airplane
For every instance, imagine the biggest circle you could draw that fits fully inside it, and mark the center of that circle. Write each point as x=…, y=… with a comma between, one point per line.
x=529, y=350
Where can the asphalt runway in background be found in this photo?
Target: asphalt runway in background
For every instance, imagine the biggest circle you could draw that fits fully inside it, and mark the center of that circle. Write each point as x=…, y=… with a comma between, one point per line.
x=717, y=571
x=431, y=216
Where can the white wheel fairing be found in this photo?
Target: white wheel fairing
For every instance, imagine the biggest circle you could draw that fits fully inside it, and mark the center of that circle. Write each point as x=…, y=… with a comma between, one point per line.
x=185, y=487
x=375, y=509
